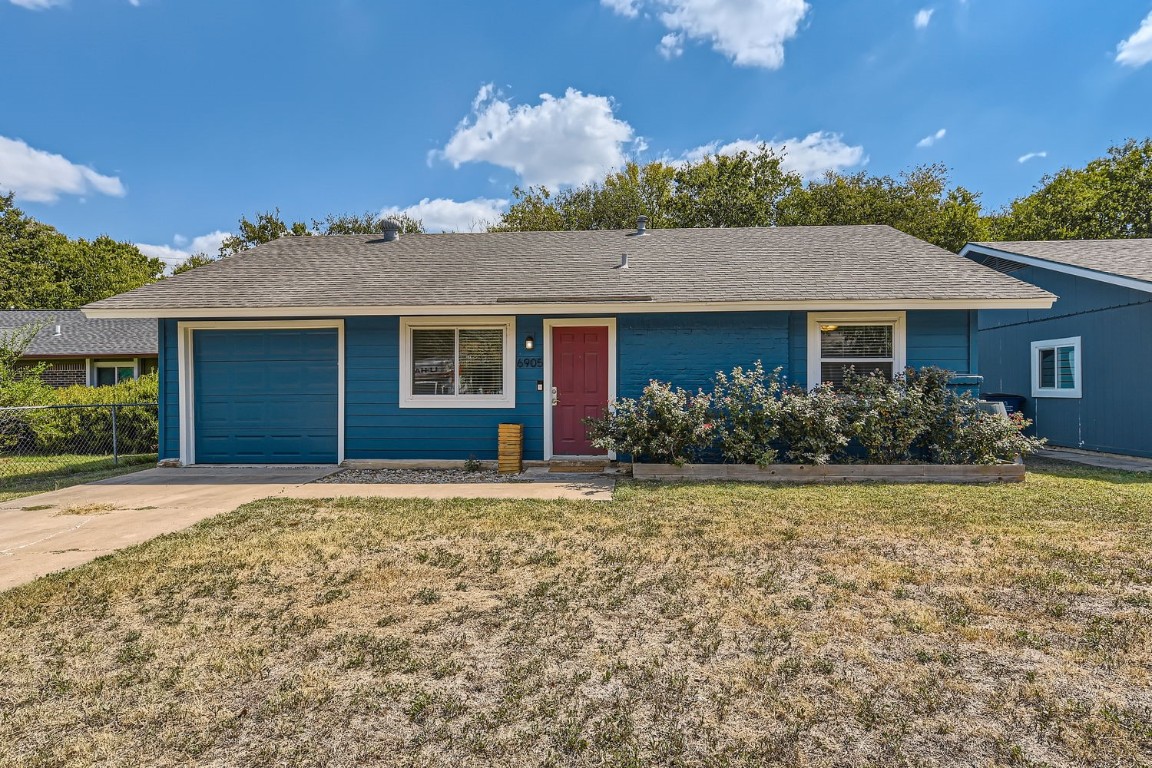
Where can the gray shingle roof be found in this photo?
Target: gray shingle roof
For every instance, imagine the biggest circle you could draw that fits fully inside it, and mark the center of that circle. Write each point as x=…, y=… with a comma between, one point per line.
x=1123, y=258
x=665, y=265
x=81, y=336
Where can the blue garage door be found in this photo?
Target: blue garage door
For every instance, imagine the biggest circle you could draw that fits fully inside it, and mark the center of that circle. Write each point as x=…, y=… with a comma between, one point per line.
x=266, y=397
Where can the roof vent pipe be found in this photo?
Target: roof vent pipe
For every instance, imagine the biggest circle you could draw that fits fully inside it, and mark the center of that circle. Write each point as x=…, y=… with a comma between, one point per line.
x=623, y=261
x=641, y=224
x=58, y=332
x=391, y=230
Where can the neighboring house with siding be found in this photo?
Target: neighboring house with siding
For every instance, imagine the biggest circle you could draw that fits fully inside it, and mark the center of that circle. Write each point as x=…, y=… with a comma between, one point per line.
x=1084, y=364
x=354, y=347
x=80, y=350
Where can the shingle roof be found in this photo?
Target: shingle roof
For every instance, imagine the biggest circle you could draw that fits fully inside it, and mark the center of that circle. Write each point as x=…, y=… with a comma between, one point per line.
x=82, y=336
x=665, y=265
x=1123, y=258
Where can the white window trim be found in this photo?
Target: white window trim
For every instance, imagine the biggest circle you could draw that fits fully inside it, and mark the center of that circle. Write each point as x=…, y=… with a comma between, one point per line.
x=577, y=322
x=1034, y=364
x=506, y=323
x=186, y=393
x=898, y=321
x=133, y=364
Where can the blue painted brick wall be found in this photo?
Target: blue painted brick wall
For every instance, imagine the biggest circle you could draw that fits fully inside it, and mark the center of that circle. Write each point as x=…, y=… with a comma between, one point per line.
x=686, y=349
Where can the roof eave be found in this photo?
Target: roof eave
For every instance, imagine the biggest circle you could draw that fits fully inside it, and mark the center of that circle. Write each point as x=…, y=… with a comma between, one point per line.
x=1057, y=266
x=1042, y=300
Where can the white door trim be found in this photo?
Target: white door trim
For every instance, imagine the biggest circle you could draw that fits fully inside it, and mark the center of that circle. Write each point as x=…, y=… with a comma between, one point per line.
x=570, y=322
x=184, y=331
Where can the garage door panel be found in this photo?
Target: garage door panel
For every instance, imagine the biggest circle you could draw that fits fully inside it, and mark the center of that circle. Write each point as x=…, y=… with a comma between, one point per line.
x=266, y=396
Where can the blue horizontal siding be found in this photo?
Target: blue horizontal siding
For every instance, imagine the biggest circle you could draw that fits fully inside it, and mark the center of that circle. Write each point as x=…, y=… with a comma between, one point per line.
x=1114, y=325
x=684, y=348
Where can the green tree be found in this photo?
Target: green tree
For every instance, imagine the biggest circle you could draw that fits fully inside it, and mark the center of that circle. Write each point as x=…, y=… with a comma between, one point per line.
x=746, y=189
x=267, y=226
x=20, y=384
x=366, y=223
x=919, y=202
x=193, y=261
x=41, y=268
x=1111, y=197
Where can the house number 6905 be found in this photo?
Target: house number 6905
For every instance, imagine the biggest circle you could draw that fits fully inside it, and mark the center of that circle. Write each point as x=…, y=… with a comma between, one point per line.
x=530, y=362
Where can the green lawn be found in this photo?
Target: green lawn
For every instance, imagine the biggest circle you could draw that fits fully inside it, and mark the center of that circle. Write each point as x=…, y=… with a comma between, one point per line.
x=25, y=475
x=710, y=625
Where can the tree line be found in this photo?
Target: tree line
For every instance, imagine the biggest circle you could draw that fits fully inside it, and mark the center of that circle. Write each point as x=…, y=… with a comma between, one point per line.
x=1110, y=197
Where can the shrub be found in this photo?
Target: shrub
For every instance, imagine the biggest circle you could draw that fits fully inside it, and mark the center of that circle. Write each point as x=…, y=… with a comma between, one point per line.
x=746, y=413
x=886, y=417
x=664, y=425
x=812, y=424
x=89, y=430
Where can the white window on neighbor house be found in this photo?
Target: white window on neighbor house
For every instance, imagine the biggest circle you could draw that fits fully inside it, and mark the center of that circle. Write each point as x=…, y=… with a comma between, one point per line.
x=865, y=342
x=456, y=362
x=108, y=372
x=1056, y=368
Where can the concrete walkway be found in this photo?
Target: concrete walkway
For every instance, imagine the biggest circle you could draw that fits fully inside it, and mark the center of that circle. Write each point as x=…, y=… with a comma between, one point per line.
x=1094, y=459
x=65, y=528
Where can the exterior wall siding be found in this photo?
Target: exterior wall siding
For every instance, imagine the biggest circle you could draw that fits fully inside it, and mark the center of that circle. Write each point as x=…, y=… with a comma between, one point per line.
x=169, y=394
x=1114, y=324
x=685, y=348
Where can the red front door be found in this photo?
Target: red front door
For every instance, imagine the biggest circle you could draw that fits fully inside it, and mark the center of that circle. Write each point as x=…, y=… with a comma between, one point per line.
x=580, y=381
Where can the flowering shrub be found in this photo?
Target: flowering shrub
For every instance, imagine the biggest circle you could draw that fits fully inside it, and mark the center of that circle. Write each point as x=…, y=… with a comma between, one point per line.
x=884, y=416
x=665, y=425
x=746, y=406
x=752, y=419
x=812, y=424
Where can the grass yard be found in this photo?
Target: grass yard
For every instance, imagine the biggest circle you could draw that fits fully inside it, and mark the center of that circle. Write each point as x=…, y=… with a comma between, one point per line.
x=713, y=625
x=25, y=475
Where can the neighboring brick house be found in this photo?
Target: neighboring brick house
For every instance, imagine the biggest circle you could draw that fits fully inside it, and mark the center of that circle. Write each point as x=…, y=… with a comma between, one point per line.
x=80, y=350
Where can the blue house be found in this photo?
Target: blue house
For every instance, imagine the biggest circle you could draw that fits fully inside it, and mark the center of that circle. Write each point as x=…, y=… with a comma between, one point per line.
x=1085, y=363
x=415, y=347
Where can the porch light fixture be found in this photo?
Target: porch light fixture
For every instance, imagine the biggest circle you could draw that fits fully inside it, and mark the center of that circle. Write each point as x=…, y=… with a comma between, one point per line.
x=529, y=342
x=828, y=328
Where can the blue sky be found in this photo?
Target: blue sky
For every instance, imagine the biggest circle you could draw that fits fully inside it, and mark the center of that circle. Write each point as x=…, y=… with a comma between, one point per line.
x=162, y=121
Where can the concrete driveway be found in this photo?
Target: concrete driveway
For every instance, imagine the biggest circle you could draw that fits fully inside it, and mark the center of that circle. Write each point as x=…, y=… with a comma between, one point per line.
x=61, y=529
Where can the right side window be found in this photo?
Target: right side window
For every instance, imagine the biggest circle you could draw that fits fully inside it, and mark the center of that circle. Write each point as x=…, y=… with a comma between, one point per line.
x=1056, y=368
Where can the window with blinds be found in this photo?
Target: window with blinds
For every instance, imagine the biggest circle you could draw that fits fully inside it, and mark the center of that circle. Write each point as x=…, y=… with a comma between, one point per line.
x=863, y=348
x=456, y=365
x=1056, y=368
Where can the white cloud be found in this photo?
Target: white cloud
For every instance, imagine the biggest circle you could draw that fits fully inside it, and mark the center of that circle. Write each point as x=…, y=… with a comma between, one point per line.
x=928, y=141
x=568, y=140
x=810, y=156
x=182, y=248
x=443, y=215
x=923, y=17
x=629, y=8
x=1030, y=156
x=751, y=33
x=671, y=45
x=41, y=177
x=1136, y=51
x=41, y=5
x=38, y=5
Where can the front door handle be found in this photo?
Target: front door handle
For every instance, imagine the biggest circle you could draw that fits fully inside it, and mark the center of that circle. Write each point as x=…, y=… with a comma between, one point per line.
x=555, y=396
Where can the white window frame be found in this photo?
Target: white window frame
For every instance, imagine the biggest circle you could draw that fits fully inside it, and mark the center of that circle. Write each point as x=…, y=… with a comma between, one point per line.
x=133, y=364
x=1054, y=344
x=898, y=321
x=506, y=323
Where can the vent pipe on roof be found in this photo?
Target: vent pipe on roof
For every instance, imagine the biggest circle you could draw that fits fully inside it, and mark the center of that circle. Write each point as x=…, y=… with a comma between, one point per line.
x=58, y=332
x=391, y=230
x=641, y=224
x=623, y=261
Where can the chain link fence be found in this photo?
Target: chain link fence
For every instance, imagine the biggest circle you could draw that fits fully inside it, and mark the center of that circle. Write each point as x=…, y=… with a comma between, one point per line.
x=40, y=442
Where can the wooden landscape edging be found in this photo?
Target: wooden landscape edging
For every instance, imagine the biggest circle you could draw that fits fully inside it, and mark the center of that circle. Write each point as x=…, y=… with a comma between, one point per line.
x=835, y=473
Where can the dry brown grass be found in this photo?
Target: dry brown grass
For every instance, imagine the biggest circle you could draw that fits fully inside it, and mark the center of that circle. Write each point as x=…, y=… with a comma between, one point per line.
x=697, y=625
